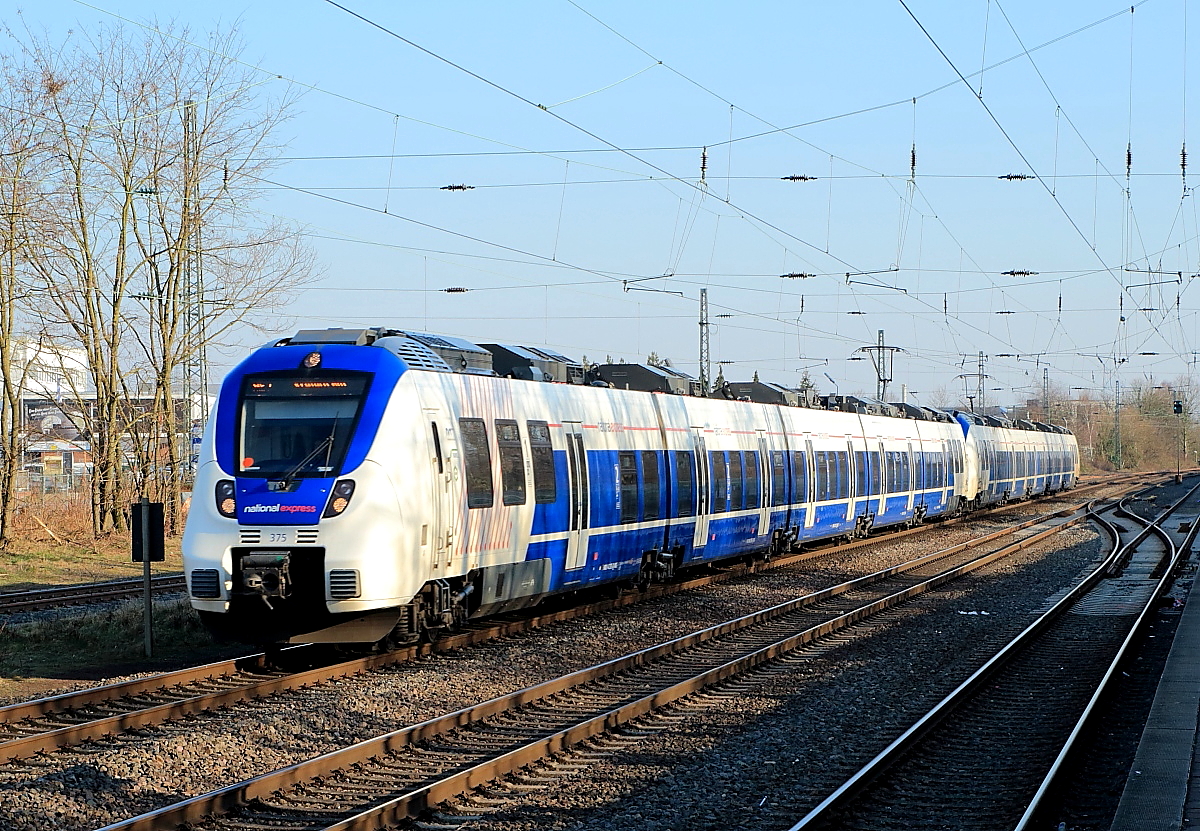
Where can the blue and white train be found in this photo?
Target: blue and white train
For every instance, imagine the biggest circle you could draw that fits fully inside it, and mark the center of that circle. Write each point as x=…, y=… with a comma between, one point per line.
x=352, y=488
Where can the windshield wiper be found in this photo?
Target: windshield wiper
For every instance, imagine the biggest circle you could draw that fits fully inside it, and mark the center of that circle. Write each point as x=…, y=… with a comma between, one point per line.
x=323, y=444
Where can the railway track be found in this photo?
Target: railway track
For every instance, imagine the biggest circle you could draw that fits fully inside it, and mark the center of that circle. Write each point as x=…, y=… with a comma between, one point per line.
x=85, y=594
x=403, y=773
x=993, y=753
x=45, y=725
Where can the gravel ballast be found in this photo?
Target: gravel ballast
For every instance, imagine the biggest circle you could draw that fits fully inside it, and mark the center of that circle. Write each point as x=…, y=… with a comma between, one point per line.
x=800, y=730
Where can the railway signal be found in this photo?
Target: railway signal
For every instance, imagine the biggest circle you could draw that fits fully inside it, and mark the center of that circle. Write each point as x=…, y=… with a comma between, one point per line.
x=148, y=547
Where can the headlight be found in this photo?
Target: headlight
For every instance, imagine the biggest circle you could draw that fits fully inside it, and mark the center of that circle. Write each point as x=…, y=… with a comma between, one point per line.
x=226, y=503
x=339, y=500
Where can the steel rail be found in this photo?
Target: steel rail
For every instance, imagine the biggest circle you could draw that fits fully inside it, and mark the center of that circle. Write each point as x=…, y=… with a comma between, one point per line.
x=87, y=593
x=225, y=672
x=965, y=691
x=40, y=739
x=1085, y=721
x=469, y=776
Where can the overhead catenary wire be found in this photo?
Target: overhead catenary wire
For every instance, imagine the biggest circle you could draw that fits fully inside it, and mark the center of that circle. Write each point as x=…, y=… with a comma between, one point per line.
x=517, y=96
x=729, y=178
x=1067, y=214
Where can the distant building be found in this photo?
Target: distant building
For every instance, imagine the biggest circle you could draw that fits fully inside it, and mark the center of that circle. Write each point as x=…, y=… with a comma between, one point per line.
x=51, y=379
x=47, y=371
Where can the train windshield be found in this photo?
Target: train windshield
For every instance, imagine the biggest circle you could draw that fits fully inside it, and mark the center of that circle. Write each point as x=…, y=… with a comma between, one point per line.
x=296, y=426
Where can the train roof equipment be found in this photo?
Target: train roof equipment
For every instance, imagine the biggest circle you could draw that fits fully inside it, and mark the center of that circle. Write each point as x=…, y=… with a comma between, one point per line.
x=448, y=353
x=862, y=406
x=420, y=350
x=534, y=363
x=997, y=421
x=921, y=413
x=762, y=392
x=646, y=378
x=458, y=353
x=353, y=337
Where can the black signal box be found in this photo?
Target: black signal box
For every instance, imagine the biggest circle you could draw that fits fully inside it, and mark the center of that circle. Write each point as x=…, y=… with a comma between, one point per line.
x=149, y=532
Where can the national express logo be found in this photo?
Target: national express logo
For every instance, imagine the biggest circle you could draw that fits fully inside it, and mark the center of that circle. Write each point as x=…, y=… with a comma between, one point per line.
x=280, y=509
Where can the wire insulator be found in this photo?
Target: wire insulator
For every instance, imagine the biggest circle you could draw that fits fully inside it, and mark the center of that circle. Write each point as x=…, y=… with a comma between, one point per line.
x=703, y=162
x=1128, y=159
x=798, y=178
x=913, y=162
x=1183, y=159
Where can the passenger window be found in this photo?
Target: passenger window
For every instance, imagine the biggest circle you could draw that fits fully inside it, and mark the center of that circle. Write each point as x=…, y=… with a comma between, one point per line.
x=629, y=486
x=778, y=479
x=822, y=475
x=650, y=493
x=477, y=462
x=545, y=488
x=753, y=484
x=718, y=482
x=512, y=462
x=685, y=479
x=862, y=475
x=799, y=477
x=735, y=481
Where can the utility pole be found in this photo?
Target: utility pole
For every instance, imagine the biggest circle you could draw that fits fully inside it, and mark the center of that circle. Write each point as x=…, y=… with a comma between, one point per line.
x=195, y=367
x=705, y=368
x=979, y=388
x=1117, y=426
x=1177, y=406
x=1046, y=394
x=884, y=359
x=979, y=377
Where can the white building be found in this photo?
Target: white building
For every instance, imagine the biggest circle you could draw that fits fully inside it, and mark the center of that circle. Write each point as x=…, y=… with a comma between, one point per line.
x=44, y=370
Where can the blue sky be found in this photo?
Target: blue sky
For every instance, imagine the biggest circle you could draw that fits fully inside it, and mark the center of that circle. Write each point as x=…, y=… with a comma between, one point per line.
x=588, y=227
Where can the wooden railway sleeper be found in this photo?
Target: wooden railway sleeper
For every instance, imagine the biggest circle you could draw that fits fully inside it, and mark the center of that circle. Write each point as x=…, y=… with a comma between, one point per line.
x=616, y=741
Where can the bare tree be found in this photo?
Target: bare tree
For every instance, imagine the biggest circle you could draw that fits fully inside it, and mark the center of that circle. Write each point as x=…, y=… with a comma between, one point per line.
x=21, y=132
x=154, y=149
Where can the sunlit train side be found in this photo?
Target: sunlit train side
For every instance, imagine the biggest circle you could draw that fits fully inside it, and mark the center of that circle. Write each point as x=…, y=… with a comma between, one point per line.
x=352, y=488
x=1018, y=462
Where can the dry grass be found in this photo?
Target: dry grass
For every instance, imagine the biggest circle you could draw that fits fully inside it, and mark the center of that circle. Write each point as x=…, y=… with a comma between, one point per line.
x=53, y=545
x=60, y=653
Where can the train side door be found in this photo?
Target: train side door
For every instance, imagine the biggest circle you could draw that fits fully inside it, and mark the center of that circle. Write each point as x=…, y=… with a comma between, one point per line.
x=700, y=537
x=764, y=484
x=441, y=534
x=578, y=504
x=850, y=488
x=913, y=476
x=884, y=481
x=810, y=461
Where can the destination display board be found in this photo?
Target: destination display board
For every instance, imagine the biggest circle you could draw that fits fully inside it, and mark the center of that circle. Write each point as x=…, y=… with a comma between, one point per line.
x=345, y=383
